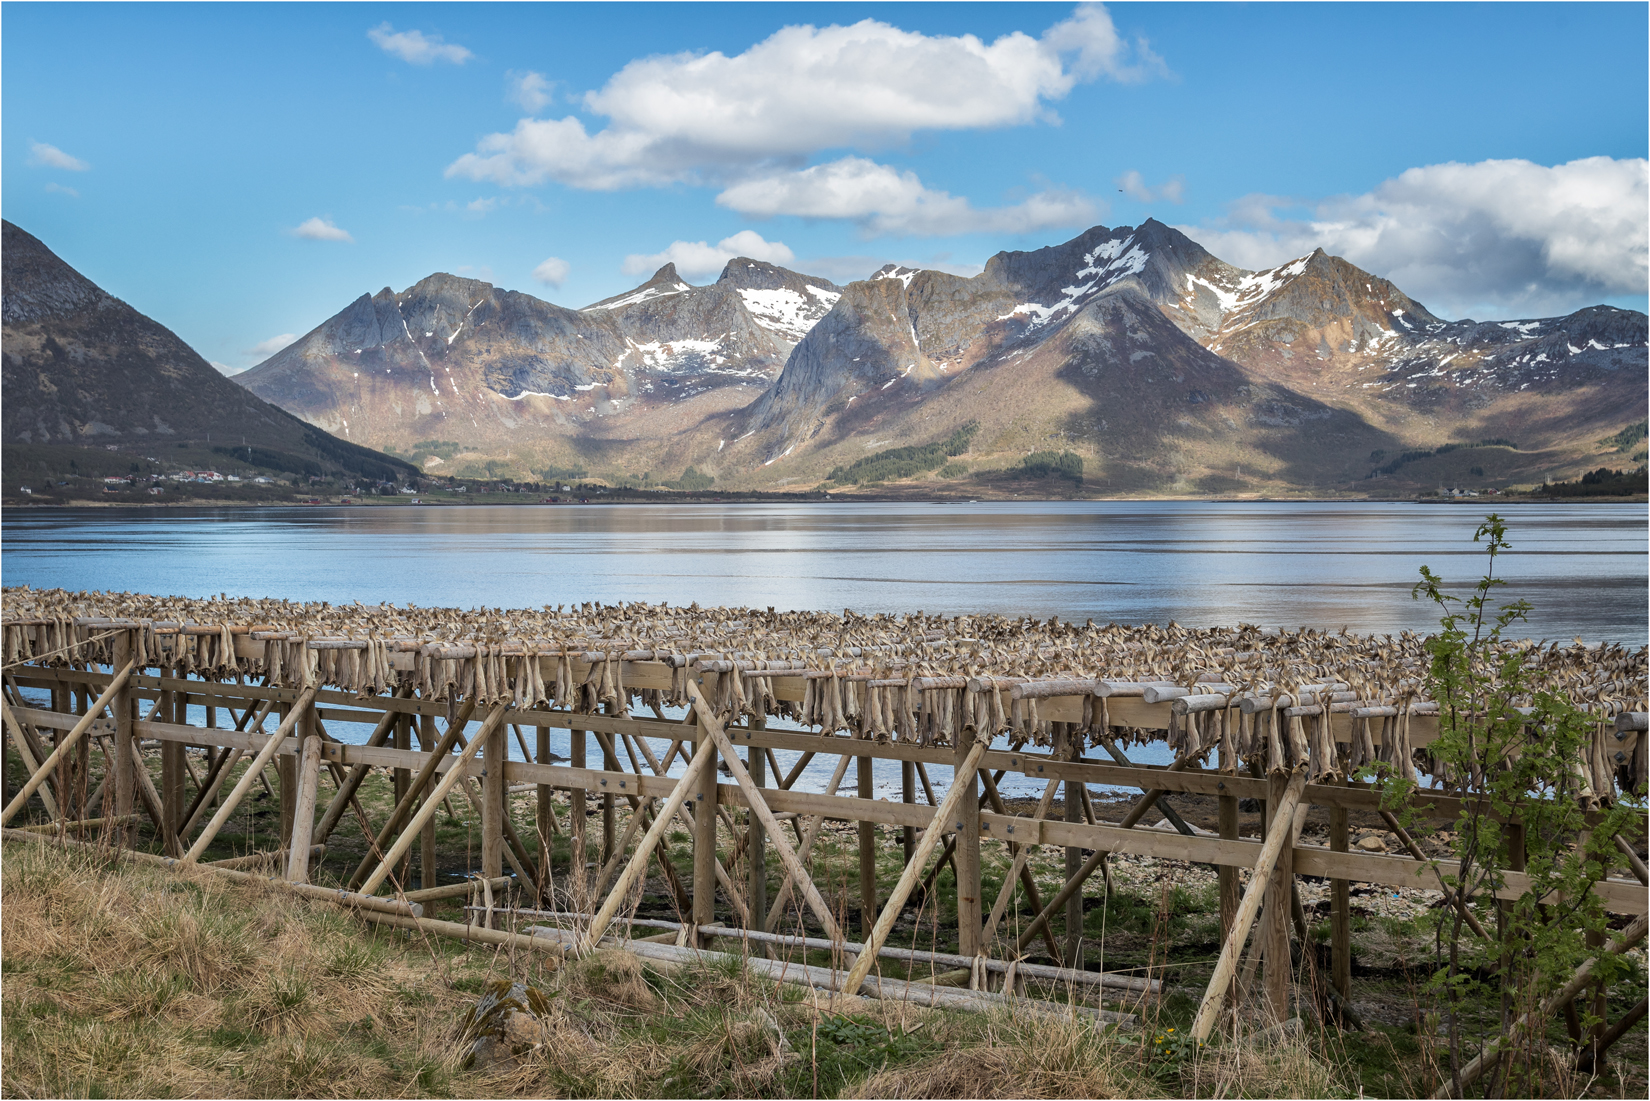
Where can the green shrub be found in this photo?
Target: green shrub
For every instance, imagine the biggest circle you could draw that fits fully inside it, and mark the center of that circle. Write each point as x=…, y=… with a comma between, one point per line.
x=905, y=462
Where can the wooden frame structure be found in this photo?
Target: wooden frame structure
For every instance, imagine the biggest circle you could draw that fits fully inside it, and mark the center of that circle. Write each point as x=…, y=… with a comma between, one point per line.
x=1281, y=740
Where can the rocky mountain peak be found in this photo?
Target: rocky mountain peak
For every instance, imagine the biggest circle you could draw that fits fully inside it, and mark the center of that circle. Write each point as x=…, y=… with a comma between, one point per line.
x=38, y=284
x=665, y=281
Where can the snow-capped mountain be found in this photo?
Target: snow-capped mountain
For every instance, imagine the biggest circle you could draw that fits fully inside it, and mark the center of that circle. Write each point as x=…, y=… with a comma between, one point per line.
x=459, y=360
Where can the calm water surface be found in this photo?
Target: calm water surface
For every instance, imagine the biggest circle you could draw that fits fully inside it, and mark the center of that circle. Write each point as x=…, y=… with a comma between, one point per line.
x=1280, y=564
x=1584, y=567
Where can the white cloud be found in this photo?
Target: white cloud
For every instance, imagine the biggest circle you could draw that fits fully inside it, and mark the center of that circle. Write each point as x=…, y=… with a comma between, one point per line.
x=531, y=90
x=710, y=117
x=482, y=206
x=698, y=258
x=1133, y=184
x=553, y=272
x=320, y=229
x=884, y=200
x=1507, y=236
x=226, y=369
x=61, y=190
x=42, y=155
x=417, y=47
x=266, y=348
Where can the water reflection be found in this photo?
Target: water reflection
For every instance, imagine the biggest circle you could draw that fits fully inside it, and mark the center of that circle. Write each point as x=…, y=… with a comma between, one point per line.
x=1271, y=563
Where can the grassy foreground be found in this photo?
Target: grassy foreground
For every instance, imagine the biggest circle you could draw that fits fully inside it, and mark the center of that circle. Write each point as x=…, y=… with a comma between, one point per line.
x=126, y=980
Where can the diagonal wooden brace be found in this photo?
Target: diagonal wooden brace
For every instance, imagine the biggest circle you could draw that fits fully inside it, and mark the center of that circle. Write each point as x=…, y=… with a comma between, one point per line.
x=759, y=806
x=352, y=783
x=30, y=761
x=449, y=780
x=644, y=849
x=426, y=776
x=67, y=743
x=271, y=746
x=1283, y=828
x=962, y=783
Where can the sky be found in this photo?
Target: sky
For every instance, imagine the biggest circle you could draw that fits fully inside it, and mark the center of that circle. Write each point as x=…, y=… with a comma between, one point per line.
x=242, y=172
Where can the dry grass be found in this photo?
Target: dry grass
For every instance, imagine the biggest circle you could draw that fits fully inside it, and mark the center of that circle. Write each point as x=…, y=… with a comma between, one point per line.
x=125, y=980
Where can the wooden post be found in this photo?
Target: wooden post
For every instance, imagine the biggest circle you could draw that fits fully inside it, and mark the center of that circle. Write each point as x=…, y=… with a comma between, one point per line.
x=270, y=747
x=945, y=816
x=966, y=818
x=171, y=773
x=494, y=801
x=1280, y=833
x=426, y=839
x=610, y=825
x=1274, y=927
x=756, y=849
x=704, y=832
x=1340, y=911
x=545, y=816
x=64, y=781
x=286, y=776
x=867, y=853
x=303, y=829
x=908, y=795
x=1226, y=876
x=577, y=815
x=401, y=778
x=124, y=706
x=1074, y=864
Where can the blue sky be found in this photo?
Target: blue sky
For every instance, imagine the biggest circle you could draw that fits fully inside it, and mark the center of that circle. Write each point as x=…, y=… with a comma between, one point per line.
x=242, y=172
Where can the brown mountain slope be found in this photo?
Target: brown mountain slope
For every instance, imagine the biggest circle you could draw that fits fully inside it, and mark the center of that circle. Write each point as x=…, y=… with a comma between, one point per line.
x=82, y=368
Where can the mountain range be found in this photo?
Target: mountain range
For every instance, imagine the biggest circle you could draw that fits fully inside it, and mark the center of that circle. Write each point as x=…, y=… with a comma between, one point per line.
x=1164, y=367
x=1158, y=365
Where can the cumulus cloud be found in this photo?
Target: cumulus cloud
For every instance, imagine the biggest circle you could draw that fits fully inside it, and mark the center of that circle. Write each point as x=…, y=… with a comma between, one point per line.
x=699, y=258
x=700, y=118
x=226, y=369
x=416, y=47
x=42, y=155
x=320, y=229
x=61, y=190
x=531, y=90
x=553, y=272
x=266, y=348
x=1133, y=184
x=884, y=200
x=1507, y=236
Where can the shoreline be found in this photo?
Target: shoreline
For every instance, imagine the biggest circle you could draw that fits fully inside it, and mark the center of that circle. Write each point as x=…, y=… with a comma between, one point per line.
x=776, y=499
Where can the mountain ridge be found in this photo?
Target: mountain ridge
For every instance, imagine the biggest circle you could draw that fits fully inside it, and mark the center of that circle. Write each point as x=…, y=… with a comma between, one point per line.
x=755, y=376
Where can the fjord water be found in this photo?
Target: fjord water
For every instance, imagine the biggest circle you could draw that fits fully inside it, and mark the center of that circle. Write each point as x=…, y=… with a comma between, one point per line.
x=1276, y=564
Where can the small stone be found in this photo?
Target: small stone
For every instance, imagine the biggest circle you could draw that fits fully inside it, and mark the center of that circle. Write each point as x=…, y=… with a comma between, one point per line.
x=1369, y=843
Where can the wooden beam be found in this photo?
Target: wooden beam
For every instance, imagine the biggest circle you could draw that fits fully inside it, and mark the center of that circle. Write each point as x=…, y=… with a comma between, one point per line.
x=1283, y=826
x=303, y=826
x=495, y=719
x=271, y=745
x=405, y=808
x=943, y=815
x=38, y=777
x=702, y=756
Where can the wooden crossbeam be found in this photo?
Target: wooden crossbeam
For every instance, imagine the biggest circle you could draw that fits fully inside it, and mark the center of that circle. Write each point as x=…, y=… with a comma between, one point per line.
x=962, y=783
x=711, y=725
x=1283, y=825
x=67, y=743
x=267, y=753
x=448, y=780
